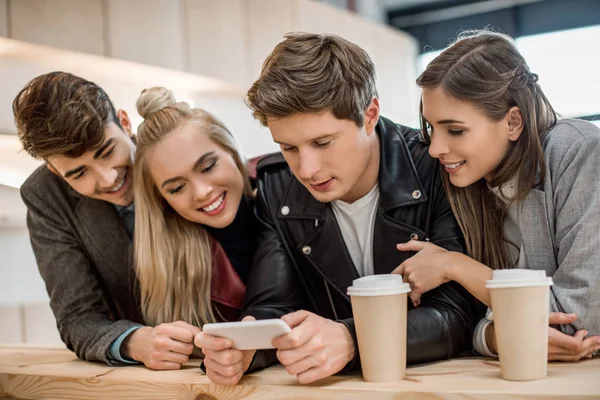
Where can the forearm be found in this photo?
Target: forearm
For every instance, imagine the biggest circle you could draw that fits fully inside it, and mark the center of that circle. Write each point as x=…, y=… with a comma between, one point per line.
x=470, y=274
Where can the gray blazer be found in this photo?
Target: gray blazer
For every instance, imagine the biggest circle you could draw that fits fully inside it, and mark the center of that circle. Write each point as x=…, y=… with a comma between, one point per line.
x=560, y=222
x=83, y=254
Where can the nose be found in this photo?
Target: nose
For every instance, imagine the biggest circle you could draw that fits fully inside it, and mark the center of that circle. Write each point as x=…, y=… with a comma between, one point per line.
x=310, y=164
x=438, y=146
x=202, y=190
x=107, y=177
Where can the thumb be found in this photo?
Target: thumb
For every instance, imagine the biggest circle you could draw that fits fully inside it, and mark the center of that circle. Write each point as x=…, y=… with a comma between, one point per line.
x=194, y=329
x=248, y=318
x=559, y=318
x=296, y=318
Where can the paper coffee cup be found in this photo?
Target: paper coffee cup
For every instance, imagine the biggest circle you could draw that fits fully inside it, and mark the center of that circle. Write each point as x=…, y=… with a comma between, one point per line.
x=379, y=306
x=520, y=302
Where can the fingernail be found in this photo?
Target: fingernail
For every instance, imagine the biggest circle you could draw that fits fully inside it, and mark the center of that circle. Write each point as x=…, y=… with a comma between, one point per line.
x=598, y=341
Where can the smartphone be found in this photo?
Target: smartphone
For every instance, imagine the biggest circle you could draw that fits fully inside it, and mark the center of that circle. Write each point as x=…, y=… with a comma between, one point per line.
x=249, y=335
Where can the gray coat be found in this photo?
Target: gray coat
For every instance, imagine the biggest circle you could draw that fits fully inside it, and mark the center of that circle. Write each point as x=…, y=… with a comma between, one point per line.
x=560, y=222
x=83, y=254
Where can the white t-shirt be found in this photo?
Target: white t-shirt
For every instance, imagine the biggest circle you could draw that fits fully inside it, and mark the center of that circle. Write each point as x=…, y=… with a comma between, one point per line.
x=357, y=221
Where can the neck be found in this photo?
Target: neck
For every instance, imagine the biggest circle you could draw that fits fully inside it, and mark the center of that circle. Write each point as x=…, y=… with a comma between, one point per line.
x=369, y=178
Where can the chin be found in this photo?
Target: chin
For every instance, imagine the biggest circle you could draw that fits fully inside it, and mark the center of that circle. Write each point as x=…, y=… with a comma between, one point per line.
x=326, y=197
x=462, y=183
x=220, y=223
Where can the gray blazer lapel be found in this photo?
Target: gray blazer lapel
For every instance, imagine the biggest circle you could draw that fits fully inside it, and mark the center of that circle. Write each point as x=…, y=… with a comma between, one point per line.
x=536, y=232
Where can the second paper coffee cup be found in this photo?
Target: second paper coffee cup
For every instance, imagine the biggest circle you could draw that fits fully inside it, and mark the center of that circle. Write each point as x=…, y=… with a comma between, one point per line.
x=520, y=301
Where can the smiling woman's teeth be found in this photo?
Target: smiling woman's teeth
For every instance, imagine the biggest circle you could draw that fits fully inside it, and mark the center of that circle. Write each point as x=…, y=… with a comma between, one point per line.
x=214, y=205
x=455, y=165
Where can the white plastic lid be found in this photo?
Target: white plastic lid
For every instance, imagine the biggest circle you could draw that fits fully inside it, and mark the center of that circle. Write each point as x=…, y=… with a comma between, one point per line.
x=509, y=278
x=378, y=285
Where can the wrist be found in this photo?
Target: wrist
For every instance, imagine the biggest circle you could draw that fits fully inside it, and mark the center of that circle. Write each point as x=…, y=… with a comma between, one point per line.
x=130, y=348
x=450, y=266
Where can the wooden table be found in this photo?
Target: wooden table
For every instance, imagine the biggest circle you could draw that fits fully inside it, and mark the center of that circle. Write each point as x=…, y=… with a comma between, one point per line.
x=54, y=373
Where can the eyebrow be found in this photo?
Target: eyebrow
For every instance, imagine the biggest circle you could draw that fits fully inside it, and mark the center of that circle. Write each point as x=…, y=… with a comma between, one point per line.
x=450, y=121
x=97, y=155
x=201, y=160
x=74, y=171
x=99, y=152
x=324, y=136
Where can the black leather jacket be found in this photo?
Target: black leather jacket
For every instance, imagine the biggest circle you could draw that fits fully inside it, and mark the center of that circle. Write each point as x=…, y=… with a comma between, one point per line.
x=302, y=261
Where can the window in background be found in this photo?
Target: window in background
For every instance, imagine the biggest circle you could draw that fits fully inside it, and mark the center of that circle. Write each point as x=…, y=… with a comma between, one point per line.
x=568, y=65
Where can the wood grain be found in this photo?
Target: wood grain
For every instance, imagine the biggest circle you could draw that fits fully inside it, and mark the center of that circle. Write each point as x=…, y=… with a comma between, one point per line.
x=35, y=373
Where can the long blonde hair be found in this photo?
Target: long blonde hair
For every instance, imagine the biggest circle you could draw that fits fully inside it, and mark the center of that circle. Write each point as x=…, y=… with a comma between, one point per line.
x=172, y=255
x=486, y=69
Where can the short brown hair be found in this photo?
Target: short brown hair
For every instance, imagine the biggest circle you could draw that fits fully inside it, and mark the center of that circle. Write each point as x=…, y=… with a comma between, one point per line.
x=310, y=73
x=62, y=114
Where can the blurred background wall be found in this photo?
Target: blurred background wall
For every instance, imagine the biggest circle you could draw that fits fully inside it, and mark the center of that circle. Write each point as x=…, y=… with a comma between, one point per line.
x=210, y=51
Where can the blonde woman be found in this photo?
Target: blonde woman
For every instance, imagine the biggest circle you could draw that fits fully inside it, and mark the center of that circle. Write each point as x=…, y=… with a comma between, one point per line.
x=194, y=225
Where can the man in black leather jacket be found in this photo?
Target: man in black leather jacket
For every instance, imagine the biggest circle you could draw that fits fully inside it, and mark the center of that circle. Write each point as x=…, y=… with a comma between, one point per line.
x=348, y=186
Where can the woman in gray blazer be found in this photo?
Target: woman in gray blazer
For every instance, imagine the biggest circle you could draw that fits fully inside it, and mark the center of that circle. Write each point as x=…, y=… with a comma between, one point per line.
x=522, y=184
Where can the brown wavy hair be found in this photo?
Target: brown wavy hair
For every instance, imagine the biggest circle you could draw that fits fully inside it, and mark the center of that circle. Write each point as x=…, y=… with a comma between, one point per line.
x=62, y=114
x=486, y=69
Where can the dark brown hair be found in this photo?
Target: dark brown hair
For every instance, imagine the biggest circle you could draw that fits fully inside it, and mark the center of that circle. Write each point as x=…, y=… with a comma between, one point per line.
x=486, y=69
x=310, y=73
x=62, y=114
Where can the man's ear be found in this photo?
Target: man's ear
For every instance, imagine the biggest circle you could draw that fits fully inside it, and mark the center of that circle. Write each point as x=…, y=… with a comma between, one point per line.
x=515, y=123
x=125, y=122
x=52, y=169
x=371, y=116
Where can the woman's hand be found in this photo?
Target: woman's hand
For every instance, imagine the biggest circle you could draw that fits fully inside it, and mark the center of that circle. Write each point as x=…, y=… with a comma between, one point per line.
x=425, y=270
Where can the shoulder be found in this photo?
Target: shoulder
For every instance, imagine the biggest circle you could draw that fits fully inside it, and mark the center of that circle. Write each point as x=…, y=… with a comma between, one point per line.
x=404, y=142
x=568, y=132
x=570, y=139
x=43, y=186
x=273, y=175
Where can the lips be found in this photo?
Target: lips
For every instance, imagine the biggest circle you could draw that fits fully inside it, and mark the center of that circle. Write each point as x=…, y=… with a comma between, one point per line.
x=323, y=186
x=215, y=204
x=454, y=165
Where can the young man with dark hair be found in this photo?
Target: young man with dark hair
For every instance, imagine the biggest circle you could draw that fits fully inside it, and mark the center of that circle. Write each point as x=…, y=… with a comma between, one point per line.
x=349, y=186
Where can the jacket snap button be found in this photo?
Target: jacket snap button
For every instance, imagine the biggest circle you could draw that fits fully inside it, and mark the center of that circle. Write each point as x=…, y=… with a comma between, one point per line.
x=285, y=210
x=306, y=249
x=416, y=194
x=414, y=236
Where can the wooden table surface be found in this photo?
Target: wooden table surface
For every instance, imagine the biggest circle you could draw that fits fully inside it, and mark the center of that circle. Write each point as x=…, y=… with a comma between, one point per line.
x=53, y=373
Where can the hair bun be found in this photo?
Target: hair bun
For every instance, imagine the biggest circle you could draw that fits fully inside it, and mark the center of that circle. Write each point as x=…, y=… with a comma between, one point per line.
x=153, y=100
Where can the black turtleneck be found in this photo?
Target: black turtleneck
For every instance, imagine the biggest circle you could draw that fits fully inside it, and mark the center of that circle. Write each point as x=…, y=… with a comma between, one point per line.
x=239, y=239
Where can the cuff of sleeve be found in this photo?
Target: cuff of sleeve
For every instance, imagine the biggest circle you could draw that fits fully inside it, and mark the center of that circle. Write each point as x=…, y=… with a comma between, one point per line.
x=114, y=350
x=479, y=342
x=354, y=364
